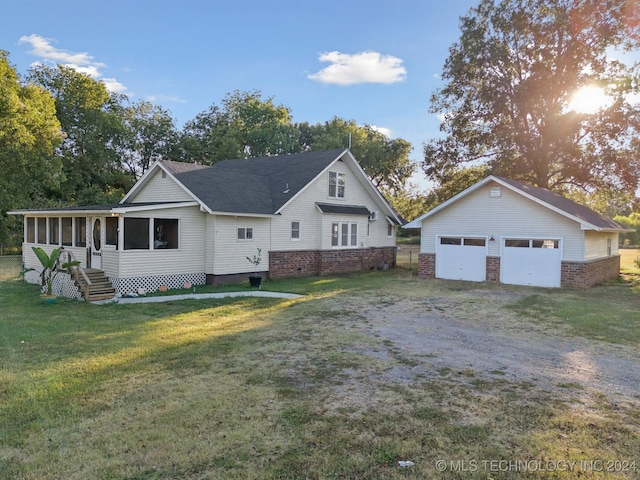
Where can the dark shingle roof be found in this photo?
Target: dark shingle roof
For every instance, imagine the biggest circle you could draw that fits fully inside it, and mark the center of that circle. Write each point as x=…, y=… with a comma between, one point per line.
x=253, y=185
x=564, y=204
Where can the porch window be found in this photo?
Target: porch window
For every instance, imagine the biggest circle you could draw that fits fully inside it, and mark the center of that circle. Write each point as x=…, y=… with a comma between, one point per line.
x=165, y=233
x=31, y=230
x=111, y=231
x=54, y=231
x=136, y=233
x=67, y=231
x=42, y=230
x=81, y=232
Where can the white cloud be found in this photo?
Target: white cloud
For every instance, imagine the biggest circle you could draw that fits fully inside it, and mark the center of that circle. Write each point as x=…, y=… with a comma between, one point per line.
x=363, y=67
x=114, y=85
x=387, y=132
x=81, y=62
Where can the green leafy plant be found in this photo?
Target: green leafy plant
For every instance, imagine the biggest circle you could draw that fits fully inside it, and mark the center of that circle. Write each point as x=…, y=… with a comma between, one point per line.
x=51, y=266
x=255, y=260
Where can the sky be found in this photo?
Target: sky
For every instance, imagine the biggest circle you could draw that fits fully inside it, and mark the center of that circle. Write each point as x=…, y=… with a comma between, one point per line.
x=376, y=62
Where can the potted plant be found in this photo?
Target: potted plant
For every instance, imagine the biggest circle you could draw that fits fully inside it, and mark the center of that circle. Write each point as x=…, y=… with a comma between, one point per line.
x=50, y=269
x=255, y=280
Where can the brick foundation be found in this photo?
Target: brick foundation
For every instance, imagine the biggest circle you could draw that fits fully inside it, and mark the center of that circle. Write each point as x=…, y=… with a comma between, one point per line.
x=493, y=269
x=426, y=265
x=588, y=274
x=306, y=263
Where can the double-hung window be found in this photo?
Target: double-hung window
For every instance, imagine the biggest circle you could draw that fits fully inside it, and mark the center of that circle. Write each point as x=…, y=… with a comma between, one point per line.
x=295, y=230
x=245, y=233
x=336, y=184
x=344, y=234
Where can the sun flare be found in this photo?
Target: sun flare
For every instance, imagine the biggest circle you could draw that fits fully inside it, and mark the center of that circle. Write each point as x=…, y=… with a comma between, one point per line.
x=589, y=100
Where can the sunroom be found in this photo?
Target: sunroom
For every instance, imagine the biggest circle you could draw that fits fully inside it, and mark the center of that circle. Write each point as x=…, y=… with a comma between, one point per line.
x=135, y=245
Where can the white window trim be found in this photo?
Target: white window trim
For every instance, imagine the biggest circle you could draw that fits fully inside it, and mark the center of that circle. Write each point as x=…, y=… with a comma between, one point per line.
x=299, y=231
x=349, y=244
x=337, y=174
x=245, y=239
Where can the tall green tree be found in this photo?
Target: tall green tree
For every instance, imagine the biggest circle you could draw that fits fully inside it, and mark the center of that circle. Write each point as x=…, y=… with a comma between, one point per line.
x=29, y=133
x=508, y=86
x=149, y=134
x=385, y=160
x=245, y=125
x=91, y=120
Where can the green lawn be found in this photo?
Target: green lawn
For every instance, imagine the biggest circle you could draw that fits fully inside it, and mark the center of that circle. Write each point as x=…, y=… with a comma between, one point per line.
x=245, y=388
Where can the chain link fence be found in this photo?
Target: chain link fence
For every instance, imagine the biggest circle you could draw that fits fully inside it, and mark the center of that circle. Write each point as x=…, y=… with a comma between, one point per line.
x=10, y=267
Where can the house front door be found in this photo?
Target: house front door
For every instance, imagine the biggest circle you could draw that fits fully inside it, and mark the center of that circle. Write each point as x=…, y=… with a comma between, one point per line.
x=96, y=243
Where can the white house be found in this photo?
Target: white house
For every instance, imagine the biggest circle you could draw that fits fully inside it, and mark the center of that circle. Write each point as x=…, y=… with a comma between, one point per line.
x=312, y=213
x=506, y=231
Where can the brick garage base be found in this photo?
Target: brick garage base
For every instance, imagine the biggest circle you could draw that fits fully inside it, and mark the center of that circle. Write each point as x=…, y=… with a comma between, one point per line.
x=493, y=269
x=588, y=274
x=573, y=274
x=426, y=265
x=307, y=263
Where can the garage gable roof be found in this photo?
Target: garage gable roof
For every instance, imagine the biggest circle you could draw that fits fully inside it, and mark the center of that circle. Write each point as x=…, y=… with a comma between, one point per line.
x=587, y=218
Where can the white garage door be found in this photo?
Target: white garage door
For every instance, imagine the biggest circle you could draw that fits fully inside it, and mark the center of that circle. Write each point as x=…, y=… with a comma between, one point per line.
x=461, y=258
x=528, y=261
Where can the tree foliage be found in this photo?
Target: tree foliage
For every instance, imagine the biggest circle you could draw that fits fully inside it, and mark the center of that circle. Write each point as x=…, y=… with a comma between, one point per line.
x=29, y=133
x=148, y=134
x=509, y=81
x=384, y=160
x=244, y=126
x=91, y=120
x=631, y=221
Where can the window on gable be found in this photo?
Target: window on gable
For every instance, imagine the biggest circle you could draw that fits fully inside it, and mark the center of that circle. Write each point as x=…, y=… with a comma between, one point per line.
x=295, y=230
x=245, y=233
x=336, y=184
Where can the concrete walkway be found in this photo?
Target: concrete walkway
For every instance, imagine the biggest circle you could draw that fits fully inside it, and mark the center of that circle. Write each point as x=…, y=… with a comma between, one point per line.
x=197, y=296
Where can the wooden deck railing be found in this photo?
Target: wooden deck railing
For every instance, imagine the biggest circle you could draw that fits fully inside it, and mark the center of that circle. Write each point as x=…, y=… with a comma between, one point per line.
x=78, y=274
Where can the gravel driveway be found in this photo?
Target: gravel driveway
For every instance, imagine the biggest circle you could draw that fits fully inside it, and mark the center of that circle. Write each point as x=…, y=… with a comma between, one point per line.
x=472, y=337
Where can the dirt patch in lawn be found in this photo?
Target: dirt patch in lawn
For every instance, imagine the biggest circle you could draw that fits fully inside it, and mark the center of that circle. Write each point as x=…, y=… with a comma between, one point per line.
x=470, y=338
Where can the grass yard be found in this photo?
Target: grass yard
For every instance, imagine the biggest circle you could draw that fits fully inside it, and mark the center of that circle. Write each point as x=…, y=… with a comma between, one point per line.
x=307, y=388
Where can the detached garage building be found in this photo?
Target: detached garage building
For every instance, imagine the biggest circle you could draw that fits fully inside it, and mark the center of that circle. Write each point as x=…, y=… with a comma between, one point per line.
x=505, y=231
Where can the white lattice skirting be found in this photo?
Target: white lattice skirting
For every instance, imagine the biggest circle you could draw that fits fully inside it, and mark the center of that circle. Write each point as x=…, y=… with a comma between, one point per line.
x=126, y=286
x=63, y=284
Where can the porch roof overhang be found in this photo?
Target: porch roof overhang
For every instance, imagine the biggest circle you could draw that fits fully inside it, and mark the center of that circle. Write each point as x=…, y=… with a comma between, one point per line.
x=343, y=209
x=107, y=209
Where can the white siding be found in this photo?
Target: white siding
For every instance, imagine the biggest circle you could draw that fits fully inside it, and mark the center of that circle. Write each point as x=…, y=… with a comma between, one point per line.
x=159, y=189
x=595, y=244
x=510, y=215
x=315, y=227
x=188, y=258
x=230, y=254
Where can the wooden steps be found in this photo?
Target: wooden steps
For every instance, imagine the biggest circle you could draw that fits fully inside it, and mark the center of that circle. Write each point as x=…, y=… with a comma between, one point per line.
x=101, y=287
